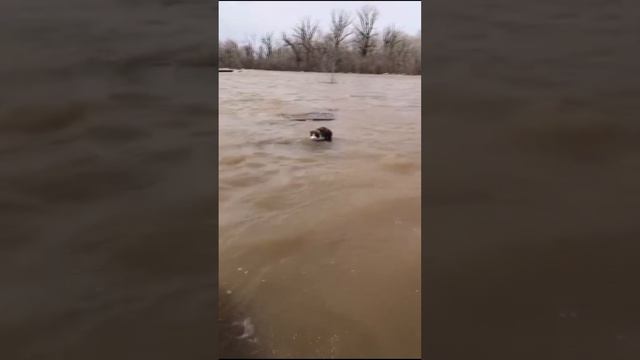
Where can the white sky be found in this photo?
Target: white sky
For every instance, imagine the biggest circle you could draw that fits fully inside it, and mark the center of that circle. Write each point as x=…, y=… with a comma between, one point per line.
x=240, y=19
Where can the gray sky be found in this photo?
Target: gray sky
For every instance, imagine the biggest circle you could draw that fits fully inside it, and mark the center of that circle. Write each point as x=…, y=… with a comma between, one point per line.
x=240, y=19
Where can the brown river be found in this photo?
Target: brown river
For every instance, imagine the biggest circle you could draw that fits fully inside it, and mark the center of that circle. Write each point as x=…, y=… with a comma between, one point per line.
x=319, y=242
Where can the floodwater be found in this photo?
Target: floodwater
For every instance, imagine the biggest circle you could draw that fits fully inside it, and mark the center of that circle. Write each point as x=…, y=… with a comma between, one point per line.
x=319, y=242
x=107, y=209
x=531, y=188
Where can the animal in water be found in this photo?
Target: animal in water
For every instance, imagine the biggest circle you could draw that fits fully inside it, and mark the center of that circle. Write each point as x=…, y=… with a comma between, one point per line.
x=321, y=134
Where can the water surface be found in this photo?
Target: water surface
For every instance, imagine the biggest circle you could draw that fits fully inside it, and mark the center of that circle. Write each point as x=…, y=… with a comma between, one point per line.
x=319, y=242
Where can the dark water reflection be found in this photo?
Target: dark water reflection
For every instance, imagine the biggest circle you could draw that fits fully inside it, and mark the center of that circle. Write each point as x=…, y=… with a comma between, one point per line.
x=107, y=209
x=533, y=165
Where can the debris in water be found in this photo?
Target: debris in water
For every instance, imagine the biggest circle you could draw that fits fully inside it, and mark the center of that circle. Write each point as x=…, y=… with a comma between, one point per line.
x=228, y=292
x=239, y=269
x=246, y=272
x=314, y=116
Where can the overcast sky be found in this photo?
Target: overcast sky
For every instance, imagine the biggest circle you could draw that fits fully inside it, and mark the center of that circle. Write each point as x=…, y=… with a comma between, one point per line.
x=240, y=19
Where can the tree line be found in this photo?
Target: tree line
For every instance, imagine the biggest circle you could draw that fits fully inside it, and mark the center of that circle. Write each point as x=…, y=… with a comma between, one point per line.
x=351, y=44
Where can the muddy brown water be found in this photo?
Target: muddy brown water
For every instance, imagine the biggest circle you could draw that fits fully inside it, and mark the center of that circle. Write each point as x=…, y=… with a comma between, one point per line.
x=319, y=241
x=107, y=209
x=531, y=188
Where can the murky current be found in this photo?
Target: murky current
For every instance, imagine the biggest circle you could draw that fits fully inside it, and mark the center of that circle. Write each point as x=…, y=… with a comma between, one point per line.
x=319, y=241
x=107, y=209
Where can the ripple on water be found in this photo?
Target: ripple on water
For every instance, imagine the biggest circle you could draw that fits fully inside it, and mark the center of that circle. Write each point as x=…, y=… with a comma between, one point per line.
x=400, y=165
x=232, y=160
x=293, y=197
x=242, y=180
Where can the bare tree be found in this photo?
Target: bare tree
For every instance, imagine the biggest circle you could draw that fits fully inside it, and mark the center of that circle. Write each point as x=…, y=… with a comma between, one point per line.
x=229, y=54
x=267, y=41
x=365, y=35
x=340, y=22
x=305, y=32
x=392, y=42
x=261, y=57
x=390, y=38
x=417, y=60
x=294, y=48
x=398, y=53
x=249, y=53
